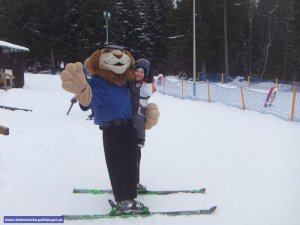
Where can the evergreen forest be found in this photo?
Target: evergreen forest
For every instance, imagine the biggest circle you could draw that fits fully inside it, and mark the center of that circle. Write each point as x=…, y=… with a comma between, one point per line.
x=263, y=36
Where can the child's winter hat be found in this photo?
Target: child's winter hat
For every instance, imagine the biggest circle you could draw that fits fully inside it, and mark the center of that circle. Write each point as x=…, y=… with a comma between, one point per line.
x=142, y=63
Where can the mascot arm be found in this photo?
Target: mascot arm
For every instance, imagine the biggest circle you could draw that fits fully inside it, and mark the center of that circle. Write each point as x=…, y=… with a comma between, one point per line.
x=152, y=115
x=74, y=81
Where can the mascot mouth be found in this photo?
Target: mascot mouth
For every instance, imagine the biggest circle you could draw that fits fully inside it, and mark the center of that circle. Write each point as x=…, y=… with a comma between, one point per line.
x=114, y=64
x=118, y=68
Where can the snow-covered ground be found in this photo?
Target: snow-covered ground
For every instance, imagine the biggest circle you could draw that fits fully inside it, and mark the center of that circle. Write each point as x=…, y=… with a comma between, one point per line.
x=248, y=162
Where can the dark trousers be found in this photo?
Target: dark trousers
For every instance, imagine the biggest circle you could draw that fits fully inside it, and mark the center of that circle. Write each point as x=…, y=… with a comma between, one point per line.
x=139, y=122
x=121, y=154
x=139, y=155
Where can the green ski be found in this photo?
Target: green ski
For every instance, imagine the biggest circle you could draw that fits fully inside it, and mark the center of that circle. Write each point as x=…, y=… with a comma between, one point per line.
x=144, y=192
x=145, y=213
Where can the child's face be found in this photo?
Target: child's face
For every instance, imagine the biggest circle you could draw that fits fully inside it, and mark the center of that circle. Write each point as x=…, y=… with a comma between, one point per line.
x=139, y=74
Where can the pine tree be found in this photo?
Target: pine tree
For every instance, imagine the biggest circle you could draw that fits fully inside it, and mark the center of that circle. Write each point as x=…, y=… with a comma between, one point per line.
x=181, y=44
x=274, y=43
x=238, y=35
x=162, y=13
x=284, y=54
x=122, y=22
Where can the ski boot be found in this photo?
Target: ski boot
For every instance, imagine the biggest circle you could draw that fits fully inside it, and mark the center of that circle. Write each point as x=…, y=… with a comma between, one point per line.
x=128, y=207
x=141, y=142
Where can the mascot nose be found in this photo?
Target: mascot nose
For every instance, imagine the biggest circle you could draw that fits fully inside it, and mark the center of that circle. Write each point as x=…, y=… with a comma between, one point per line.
x=118, y=56
x=117, y=53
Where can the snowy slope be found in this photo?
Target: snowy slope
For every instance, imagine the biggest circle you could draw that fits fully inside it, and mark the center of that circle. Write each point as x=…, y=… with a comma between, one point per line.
x=249, y=162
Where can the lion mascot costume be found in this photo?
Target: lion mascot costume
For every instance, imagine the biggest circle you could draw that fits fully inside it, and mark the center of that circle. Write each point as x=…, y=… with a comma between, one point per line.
x=107, y=94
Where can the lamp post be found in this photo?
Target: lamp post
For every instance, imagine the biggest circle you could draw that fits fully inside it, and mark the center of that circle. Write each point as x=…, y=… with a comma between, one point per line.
x=106, y=16
x=194, y=51
x=225, y=38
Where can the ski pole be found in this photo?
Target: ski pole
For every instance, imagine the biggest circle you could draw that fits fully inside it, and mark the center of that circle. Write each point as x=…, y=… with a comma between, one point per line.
x=73, y=101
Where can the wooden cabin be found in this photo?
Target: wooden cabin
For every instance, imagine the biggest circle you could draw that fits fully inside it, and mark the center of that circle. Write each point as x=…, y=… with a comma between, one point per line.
x=12, y=59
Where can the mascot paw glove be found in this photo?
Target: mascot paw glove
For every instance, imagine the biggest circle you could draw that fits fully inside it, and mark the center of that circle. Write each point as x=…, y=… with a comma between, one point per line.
x=152, y=115
x=73, y=79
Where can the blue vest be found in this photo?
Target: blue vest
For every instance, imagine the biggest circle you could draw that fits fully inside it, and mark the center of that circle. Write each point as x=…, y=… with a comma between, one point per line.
x=109, y=101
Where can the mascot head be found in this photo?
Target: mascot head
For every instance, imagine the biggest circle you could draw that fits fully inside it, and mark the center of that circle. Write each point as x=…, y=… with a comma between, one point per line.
x=111, y=62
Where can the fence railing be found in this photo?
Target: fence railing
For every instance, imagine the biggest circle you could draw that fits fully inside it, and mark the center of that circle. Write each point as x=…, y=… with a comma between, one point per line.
x=282, y=101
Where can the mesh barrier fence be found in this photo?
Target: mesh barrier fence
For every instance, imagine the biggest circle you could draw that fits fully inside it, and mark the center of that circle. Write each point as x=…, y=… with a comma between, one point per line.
x=283, y=101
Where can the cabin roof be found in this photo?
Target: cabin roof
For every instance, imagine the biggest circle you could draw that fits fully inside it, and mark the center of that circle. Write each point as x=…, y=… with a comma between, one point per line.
x=9, y=47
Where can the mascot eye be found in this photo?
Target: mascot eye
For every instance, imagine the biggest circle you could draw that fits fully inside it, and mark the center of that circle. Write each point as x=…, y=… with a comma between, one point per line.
x=127, y=53
x=106, y=51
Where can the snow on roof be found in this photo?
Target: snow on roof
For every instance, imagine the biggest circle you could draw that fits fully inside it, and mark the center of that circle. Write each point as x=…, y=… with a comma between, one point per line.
x=12, y=47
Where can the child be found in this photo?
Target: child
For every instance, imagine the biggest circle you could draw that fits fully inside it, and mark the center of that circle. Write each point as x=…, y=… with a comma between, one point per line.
x=141, y=90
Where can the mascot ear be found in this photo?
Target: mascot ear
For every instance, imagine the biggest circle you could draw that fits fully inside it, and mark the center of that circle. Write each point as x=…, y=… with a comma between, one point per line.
x=92, y=63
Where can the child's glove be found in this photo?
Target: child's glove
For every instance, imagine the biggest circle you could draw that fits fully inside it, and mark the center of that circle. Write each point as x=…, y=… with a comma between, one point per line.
x=152, y=115
x=74, y=81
